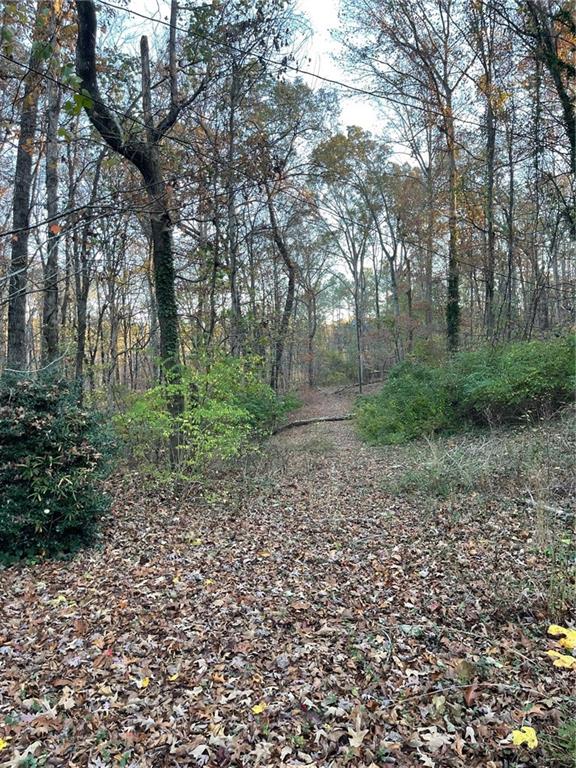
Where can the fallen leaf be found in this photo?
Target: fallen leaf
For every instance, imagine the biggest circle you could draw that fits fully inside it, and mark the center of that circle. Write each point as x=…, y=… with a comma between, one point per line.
x=562, y=660
x=470, y=694
x=67, y=699
x=525, y=735
x=144, y=682
x=568, y=640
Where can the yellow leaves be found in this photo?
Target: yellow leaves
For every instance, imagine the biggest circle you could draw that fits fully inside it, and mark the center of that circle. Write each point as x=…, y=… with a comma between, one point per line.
x=3, y=743
x=257, y=709
x=569, y=639
x=526, y=735
x=144, y=682
x=58, y=600
x=561, y=660
x=174, y=677
x=196, y=542
x=264, y=553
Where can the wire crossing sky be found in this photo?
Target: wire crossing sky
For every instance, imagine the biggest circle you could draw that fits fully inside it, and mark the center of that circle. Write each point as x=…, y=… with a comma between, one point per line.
x=319, y=50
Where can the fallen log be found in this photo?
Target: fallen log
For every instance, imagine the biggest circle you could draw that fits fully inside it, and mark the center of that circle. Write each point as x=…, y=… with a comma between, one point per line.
x=305, y=422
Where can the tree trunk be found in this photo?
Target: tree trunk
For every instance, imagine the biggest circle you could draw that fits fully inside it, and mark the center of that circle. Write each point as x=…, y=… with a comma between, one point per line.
x=510, y=237
x=50, y=325
x=144, y=155
x=289, y=302
x=491, y=234
x=82, y=277
x=17, y=347
x=236, y=331
x=453, y=299
x=312, y=325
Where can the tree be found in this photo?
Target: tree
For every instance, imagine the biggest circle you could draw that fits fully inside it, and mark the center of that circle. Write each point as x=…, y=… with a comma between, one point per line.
x=41, y=45
x=425, y=60
x=144, y=153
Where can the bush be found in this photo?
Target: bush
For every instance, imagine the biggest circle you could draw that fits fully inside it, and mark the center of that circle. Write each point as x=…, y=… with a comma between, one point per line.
x=516, y=381
x=52, y=452
x=413, y=402
x=519, y=381
x=225, y=407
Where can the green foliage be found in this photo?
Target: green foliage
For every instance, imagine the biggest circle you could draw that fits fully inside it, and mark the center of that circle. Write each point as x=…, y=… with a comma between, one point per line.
x=520, y=381
x=52, y=453
x=413, y=402
x=225, y=407
x=517, y=381
x=560, y=748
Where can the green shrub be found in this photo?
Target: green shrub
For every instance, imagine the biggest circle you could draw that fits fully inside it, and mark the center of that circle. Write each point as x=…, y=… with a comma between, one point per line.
x=519, y=381
x=413, y=402
x=516, y=381
x=225, y=407
x=52, y=453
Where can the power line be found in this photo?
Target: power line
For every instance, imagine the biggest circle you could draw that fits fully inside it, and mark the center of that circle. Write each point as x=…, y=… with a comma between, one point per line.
x=184, y=143
x=285, y=65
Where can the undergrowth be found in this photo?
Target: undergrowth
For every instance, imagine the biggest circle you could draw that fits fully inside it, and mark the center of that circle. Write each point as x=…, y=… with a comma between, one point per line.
x=535, y=460
x=53, y=453
x=530, y=468
x=227, y=408
x=519, y=382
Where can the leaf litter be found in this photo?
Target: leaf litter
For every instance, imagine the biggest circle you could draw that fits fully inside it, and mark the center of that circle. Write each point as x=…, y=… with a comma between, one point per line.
x=311, y=621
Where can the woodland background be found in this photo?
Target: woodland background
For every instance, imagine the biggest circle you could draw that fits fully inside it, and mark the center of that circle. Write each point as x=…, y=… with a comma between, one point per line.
x=327, y=251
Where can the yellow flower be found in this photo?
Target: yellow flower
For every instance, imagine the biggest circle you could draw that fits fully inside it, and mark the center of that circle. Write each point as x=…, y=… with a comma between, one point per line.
x=257, y=709
x=569, y=639
x=3, y=743
x=143, y=683
x=526, y=735
x=562, y=660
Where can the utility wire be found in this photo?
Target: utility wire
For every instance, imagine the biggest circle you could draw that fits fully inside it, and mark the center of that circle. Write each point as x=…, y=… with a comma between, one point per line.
x=182, y=142
x=284, y=65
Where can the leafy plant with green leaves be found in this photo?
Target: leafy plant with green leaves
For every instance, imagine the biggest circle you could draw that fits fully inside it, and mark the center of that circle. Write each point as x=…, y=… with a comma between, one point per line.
x=226, y=406
x=53, y=452
x=515, y=382
x=414, y=401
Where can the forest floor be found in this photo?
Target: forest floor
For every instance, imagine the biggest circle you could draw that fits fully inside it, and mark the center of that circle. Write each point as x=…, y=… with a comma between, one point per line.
x=297, y=614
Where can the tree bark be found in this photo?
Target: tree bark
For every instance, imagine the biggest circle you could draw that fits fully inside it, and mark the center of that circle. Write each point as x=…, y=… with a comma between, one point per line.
x=144, y=155
x=289, y=301
x=50, y=324
x=453, y=298
x=17, y=348
x=491, y=233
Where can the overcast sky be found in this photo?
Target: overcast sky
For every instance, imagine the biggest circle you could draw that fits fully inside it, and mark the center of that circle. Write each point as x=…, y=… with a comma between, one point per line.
x=323, y=17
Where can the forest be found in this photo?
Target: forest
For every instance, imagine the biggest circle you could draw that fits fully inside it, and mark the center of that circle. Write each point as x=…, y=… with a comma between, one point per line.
x=287, y=377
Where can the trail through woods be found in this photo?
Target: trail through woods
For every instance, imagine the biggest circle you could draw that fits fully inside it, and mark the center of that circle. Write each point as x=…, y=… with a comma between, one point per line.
x=296, y=615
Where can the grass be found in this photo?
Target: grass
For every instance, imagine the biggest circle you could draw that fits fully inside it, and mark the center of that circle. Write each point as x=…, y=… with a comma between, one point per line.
x=531, y=467
x=534, y=463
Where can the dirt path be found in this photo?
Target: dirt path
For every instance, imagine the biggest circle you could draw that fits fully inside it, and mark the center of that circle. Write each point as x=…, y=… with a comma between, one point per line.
x=297, y=616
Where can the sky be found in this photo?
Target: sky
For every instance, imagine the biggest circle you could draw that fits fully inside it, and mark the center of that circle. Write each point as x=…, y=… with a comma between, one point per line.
x=321, y=48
